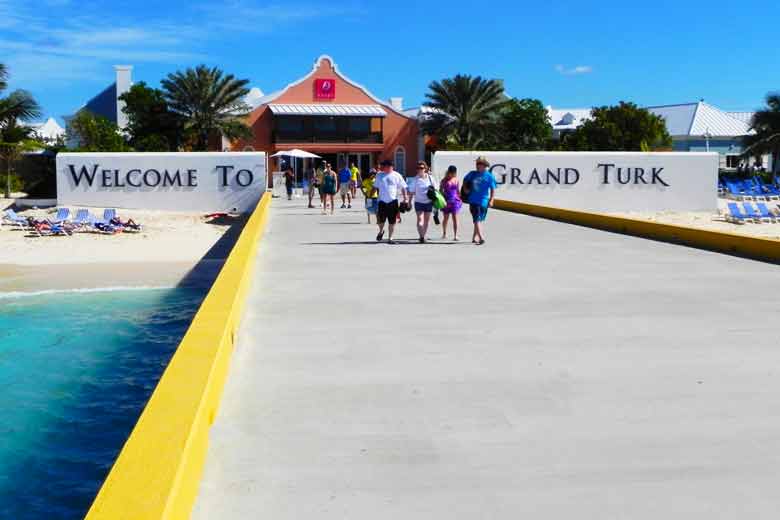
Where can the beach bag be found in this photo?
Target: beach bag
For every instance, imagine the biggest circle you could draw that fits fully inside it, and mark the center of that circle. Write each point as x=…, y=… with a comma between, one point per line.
x=465, y=190
x=439, y=202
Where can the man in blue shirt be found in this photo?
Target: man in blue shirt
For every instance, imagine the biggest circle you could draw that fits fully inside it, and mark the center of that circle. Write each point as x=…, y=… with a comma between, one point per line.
x=481, y=188
x=345, y=175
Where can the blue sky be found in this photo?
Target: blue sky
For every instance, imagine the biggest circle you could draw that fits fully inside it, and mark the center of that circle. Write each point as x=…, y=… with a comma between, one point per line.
x=566, y=53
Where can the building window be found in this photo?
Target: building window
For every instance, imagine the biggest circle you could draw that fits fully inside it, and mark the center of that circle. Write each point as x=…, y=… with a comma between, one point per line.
x=732, y=161
x=400, y=160
x=327, y=129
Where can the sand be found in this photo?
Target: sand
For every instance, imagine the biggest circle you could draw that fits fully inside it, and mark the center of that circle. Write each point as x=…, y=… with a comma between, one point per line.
x=169, y=246
x=711, y=221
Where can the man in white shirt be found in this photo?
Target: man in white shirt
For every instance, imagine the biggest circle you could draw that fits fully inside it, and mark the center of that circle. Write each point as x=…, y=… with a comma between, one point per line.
x=388, y=183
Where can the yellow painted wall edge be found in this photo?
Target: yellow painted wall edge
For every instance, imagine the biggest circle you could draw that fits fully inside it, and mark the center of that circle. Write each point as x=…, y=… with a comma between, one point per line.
x=157, y=473
x=764, y=249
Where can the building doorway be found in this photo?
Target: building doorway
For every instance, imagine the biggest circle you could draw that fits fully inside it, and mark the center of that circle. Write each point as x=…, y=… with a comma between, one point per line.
x=361, y=160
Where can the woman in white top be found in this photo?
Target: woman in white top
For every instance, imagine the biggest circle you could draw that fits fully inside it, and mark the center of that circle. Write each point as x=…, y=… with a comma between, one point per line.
x=423, y=205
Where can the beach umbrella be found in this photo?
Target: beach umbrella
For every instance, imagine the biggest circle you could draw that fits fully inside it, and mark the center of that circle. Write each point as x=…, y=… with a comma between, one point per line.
x=296, y=153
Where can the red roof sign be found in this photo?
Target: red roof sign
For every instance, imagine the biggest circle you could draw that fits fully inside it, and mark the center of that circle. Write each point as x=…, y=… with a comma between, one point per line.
x=324, y=88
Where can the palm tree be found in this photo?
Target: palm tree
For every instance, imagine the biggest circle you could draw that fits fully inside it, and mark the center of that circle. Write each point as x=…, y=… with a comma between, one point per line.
x=465, y=109
x=766, y=139
x=17, y=107
x=210, y=102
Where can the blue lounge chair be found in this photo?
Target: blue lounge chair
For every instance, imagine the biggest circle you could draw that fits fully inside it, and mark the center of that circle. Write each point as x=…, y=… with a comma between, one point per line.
x=770, y=191
x=10, y=217
x=735, y=214
x=736, y=189
x=751, y=212
x=83, y=219
x=63, y=215
x=752, y=190
x=52, y=230
x=767, y=215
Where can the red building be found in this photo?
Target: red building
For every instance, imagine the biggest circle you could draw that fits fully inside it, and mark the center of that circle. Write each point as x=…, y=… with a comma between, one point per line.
x=328, y=114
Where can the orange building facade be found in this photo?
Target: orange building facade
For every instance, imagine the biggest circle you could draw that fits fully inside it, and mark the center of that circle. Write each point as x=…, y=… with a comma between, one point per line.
x=328, y=114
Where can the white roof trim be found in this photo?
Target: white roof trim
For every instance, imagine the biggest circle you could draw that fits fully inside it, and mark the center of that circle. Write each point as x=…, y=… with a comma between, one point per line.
x=323, y=109
x=275, y=95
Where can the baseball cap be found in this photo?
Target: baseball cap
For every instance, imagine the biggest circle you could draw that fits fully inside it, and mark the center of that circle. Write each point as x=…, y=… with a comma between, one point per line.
x=483, y=160
x=386, y=162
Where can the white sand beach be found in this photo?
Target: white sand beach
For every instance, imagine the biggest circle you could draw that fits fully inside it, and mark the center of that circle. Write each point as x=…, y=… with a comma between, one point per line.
x=711, y=221
x=166, y=249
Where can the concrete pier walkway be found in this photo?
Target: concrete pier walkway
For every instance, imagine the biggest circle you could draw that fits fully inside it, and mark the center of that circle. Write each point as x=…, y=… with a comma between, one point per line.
x=555, y=372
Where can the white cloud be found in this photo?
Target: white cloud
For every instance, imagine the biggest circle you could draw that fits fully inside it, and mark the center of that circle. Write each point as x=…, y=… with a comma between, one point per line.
x=579, y=69
x=40, y=46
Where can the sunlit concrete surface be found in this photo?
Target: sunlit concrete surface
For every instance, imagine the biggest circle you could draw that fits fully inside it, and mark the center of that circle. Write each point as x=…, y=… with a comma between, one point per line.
x=555, y=372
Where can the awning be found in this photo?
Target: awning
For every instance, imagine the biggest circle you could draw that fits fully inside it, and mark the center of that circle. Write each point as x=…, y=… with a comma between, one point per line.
x=320, y=109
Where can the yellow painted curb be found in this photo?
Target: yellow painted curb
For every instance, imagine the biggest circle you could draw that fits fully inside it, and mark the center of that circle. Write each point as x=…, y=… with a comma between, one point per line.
x=157, y=473
x=764, y=249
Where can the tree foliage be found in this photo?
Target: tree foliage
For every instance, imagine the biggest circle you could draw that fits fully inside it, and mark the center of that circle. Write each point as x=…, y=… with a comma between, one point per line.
x=622, y=127
x=523, y=126
x=465, y=110
x=95, y=134
x=18, y=106
x=766, y=125
x=209, y=102
x=151, y=125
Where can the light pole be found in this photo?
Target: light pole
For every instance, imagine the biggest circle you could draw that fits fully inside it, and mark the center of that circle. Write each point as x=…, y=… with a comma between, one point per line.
x=707, y=137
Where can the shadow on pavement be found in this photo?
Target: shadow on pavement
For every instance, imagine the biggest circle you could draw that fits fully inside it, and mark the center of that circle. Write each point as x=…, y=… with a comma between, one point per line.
x=206, y=270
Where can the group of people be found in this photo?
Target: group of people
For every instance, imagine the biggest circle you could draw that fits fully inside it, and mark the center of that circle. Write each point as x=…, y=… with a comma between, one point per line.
x=388, y=194
x=325, y=182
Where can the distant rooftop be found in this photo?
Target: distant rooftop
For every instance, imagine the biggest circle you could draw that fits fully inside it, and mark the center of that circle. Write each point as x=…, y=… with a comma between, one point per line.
x=684, y=119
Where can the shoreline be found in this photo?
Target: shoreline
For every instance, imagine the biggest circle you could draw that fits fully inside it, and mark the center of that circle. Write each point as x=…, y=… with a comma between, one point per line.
x=16, y=278
x=172, y=250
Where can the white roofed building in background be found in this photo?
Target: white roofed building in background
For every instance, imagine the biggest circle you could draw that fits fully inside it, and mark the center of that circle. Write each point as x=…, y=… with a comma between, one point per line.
x=48, y=131
x=694, y=127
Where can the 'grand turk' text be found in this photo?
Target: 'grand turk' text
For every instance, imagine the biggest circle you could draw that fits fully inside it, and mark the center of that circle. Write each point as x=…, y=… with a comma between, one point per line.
x=608, y=173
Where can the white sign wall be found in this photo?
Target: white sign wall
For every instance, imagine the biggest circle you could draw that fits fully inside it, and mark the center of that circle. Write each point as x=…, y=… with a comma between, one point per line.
x=192, y=181
x=599, y=181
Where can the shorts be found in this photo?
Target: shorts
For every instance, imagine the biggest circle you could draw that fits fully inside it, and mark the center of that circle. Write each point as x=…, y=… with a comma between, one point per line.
x=352, y=185
x=289, y=189
x=478, y=212
x=387, y=211
x=328, y=191
x=371, y=206
x=423, y=207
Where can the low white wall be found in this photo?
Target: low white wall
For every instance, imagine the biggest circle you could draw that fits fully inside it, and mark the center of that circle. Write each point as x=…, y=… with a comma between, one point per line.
x=191, y=181
x=599, y=181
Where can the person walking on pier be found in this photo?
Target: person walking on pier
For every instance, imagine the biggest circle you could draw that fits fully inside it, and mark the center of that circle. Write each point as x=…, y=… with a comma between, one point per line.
x=423, y=205
x=328, y=189
x=480, y=187
x=355, y=180
x=370, y=193
x=450, y=188
x=388, y=183
x=289, y=181
x=345, y=177
x=315, y=185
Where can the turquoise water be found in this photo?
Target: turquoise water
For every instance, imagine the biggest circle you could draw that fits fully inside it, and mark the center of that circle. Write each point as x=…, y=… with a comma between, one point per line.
x=75, y=372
